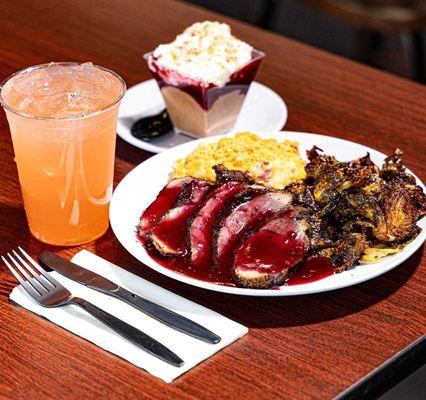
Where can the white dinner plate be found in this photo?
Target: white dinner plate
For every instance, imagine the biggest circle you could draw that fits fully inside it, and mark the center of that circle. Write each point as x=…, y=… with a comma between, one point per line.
x=263, y=110
x=140, y=187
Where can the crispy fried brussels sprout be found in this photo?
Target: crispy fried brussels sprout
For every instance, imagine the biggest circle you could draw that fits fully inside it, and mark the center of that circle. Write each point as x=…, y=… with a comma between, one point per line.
x=302, y=194
x=400, y=216
x=329, y=186
x=346, y=251
x=318, y=163
x=394, y=173
x=319, y=232
x=356, y=203
x=331, y=178
x=364, y=205
x=393, y=166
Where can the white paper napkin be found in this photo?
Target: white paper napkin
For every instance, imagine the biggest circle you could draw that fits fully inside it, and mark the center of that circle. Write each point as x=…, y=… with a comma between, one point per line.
x=76, y=320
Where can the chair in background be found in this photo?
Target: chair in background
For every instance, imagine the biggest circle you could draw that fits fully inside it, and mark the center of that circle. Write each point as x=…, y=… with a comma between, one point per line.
x=388, y=34
x=380, y=21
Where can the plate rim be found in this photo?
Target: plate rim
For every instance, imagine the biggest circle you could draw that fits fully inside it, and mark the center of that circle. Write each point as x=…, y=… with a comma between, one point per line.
x=152, y=148
x=393, y=261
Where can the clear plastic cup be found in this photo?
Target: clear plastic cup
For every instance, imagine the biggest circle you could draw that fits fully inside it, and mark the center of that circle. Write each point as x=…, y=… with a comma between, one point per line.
x=65, y=162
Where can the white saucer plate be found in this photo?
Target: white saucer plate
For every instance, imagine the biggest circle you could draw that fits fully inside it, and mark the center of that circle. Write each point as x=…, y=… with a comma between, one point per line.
x=263, y=110
x=140, y=187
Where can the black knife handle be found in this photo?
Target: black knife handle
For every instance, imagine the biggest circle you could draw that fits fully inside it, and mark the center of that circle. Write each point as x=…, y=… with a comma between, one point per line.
x=134, y=335
x=166, y=316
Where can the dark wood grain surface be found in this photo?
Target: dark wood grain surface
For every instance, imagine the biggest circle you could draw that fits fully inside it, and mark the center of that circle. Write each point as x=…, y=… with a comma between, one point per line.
x=302, y=347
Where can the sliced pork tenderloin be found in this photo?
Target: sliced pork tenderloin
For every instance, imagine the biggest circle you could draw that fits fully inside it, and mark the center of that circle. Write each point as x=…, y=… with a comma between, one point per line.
x=246, y=216
x=268, y=255
x=200, y=233
x=170, y=233
x=224, y=175
x=231, y=187
x=165, y=200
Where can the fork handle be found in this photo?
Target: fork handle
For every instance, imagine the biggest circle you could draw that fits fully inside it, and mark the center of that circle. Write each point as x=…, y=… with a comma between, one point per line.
x=134, y=335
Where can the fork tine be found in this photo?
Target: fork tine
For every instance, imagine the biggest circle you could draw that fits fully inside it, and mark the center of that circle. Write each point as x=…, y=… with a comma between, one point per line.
x=31, y=280
x=32, y=291
x=42, y=271
x=32, y=272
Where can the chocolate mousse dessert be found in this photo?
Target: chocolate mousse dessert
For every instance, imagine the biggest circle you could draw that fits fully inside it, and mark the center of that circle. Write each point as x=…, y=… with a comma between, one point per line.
x=204, y=76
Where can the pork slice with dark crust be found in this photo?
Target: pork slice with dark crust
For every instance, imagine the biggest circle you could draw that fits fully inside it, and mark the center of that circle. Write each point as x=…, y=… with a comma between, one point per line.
x=267, y=256
x=169, y=235
x=224, y=175
x=200, y=234
x=245, y=217
x=165, y=200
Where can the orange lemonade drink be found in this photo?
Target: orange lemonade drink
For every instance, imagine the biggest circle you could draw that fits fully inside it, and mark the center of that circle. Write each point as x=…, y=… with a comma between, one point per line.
x=63, y=118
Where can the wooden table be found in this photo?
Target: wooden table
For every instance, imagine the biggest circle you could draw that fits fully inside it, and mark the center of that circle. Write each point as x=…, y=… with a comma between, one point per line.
x=301, y=347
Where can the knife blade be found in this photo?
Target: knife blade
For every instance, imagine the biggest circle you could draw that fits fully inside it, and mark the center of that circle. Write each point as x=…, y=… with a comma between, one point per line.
x=103, y=285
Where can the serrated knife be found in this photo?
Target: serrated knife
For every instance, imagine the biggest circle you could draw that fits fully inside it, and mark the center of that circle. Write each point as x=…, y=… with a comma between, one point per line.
x=103, y=285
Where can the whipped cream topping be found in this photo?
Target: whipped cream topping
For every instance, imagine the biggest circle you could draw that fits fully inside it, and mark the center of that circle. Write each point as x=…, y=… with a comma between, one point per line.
x=205, y=52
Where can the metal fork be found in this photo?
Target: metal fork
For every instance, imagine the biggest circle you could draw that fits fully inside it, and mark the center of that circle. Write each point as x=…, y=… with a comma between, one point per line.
x=48, y=292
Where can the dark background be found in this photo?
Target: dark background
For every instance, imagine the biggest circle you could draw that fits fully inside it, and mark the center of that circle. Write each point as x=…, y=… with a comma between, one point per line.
x=388, y=34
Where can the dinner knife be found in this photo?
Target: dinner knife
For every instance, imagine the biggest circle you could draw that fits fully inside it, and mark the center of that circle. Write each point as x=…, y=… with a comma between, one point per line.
x=103, y=285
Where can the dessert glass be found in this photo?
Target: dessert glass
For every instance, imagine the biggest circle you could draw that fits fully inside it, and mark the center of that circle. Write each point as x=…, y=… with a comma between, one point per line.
x=201, y=109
